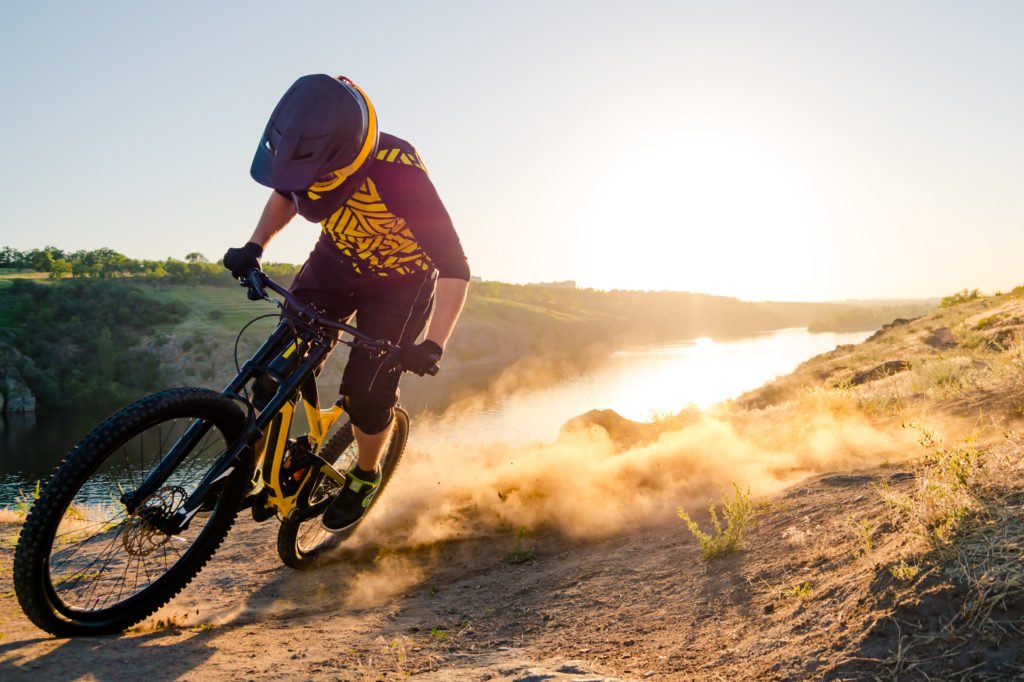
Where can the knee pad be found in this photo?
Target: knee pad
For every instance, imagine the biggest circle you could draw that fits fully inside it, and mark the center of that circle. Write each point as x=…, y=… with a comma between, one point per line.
x=371, y=419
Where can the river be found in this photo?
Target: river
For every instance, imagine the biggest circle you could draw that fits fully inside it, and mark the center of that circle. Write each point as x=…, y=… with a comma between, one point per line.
x=637, y=383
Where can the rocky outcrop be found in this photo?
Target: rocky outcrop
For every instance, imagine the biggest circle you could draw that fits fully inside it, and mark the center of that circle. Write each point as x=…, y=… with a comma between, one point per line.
x=940, y=339
x=626, y=433
x=898, y=322
x=15, y=395
x=880, y=371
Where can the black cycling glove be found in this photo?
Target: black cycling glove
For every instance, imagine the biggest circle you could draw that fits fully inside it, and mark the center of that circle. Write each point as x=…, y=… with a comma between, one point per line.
x=419, y=358
x=244, y=260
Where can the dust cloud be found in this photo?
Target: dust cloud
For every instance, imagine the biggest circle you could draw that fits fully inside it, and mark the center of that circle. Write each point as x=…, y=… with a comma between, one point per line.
x=387, y=577
x=592, y=482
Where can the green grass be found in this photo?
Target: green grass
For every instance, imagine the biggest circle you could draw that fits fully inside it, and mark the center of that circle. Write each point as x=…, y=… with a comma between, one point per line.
x=8, y=275
x=530, y=307
x=225, y=308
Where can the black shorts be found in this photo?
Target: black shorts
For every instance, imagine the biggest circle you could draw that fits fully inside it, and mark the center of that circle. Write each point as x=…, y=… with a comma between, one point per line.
x=394, y=309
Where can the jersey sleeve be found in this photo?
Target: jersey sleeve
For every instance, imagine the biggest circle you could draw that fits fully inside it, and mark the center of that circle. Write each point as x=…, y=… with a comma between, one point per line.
x=411, y=195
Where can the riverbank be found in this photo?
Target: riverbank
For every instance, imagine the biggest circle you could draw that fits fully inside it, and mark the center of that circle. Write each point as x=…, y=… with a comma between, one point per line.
x=879, y=551
x=181, y=331
x=527, y=402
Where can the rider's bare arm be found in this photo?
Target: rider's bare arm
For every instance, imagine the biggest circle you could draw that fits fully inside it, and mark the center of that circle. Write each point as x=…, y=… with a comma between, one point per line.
x=450, y=297
x=276, y=214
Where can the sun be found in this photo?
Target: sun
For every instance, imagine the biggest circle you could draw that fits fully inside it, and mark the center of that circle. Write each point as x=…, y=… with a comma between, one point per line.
x=715, y=214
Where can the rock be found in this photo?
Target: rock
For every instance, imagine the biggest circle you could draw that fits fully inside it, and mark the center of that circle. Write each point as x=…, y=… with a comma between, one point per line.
x=941, y=339
x=15, y=395
x=1002, y=338
x=626, y=432
x=621, y=430
x=883, y=370
x=17, y=398
x=898, y=322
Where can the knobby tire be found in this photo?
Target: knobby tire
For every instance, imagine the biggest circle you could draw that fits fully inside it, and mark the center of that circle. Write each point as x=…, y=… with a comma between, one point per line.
x=34, y=568
x=303, y=544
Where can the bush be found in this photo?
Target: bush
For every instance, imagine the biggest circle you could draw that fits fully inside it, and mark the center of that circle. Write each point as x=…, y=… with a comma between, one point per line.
x=740, y=515
x=946, y=495
x=959, y=297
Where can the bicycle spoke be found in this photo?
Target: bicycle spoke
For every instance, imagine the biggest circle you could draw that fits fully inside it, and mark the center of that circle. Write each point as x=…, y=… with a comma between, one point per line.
x=81, y=544
x=99, y=573
x=100, y=554
x=91, y=525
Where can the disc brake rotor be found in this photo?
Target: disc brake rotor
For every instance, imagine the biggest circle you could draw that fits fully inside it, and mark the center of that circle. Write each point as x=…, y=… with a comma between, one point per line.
x=141, y=537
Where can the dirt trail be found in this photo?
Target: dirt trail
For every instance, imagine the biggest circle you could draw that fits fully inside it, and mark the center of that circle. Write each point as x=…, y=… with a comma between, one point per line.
x=615, y=588
x=636, y=606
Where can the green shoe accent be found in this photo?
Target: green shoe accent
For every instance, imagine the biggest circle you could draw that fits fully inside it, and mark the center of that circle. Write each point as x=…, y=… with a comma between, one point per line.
x=358, y=485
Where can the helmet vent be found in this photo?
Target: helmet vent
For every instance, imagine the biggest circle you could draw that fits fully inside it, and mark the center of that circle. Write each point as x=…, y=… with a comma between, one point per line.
x=305, y=150
x=273, y=138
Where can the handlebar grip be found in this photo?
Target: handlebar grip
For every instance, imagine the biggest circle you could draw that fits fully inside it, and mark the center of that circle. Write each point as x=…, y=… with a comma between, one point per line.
x=433, y=371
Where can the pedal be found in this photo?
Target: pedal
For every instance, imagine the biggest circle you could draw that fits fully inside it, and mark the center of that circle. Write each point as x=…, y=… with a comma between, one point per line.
x=261, y=511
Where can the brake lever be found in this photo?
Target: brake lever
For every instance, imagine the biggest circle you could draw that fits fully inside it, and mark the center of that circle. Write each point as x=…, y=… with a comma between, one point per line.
x=395, y=361
x=254, y=283
x=434, y=367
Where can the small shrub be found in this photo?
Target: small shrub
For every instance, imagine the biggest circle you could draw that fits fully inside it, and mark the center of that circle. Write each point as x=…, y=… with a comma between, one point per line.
x=904, y=572
x=986, y=322
x=945, y=496
x=519, y=554
x=739, y=513
x=959, y=297
x=801, y=592
x=863, y=531
x=24, y=502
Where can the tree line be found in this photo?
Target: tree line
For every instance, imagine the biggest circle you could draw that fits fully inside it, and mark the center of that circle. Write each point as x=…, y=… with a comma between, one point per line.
x=106, y=263
x=85, y=340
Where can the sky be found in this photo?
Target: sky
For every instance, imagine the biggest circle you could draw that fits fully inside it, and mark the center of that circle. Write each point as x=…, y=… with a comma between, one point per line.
x=785, y=151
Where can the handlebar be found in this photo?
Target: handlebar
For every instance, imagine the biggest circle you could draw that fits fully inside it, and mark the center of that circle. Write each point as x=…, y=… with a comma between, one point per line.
x=257, y=282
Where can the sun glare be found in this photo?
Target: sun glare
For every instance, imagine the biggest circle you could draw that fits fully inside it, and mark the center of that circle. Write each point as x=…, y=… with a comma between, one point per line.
x=705, y=213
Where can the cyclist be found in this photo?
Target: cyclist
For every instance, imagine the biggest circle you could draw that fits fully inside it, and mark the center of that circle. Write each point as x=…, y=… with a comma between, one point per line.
x=387, y=251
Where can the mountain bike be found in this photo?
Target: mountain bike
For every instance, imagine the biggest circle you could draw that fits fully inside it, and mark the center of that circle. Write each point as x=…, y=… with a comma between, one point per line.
x=140, y=505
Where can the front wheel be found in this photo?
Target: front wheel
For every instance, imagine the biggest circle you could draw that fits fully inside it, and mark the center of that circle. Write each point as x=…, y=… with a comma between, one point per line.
x=300, y=544
x=84, y=565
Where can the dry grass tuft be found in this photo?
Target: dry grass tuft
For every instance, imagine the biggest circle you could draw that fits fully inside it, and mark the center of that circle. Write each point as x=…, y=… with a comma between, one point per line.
x=740, y=515
x=965, y=521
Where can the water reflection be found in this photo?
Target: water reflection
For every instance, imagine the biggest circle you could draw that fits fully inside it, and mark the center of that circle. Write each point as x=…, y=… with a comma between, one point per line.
x=637, y=383
x=644, y=382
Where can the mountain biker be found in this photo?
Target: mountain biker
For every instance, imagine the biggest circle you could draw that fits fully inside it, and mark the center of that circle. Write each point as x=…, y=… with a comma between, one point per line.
x=387, y=251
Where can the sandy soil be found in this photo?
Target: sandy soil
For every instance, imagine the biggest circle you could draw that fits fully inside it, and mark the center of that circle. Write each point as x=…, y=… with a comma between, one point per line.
x=820, y=591
x=637, y=606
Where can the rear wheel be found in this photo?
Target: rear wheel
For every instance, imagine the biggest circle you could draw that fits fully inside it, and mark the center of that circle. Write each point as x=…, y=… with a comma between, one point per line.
x=301, y=544
x=84, y=565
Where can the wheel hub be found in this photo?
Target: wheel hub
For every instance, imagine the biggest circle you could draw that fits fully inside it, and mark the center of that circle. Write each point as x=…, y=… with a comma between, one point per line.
x=141, y=535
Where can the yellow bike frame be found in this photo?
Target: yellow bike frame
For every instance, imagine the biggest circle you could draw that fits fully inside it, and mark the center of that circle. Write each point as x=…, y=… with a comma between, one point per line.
x=271, y=448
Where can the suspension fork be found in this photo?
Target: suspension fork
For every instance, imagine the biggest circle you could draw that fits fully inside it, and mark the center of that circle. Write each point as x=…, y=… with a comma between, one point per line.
x=226, y=464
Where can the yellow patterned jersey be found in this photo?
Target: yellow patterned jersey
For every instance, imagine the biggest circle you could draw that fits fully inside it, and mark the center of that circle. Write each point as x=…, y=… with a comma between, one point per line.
x=395, y=224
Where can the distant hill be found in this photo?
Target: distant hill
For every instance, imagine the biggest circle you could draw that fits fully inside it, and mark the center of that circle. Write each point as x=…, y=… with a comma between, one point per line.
x=100, y=324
